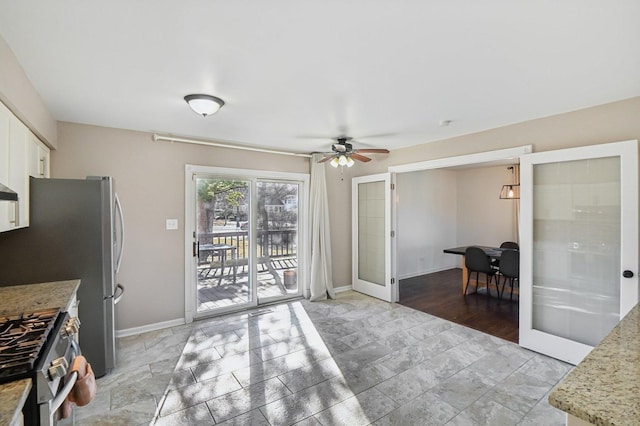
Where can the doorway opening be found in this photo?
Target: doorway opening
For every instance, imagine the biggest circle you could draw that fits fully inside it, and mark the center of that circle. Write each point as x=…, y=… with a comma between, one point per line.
x=460, y=202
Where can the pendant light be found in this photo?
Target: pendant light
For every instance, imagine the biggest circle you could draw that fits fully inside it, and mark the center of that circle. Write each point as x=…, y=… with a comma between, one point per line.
x=510, y=191
x=204, y=105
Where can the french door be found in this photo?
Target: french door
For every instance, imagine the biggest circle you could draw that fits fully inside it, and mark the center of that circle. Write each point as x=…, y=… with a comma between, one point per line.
x=372, y=210
x=245, y=238
x=579, y=246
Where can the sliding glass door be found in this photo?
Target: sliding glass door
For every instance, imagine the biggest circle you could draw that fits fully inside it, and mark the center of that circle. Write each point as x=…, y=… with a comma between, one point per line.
x=579, y=248
x=221, y=245
x=277, y=239
x=244, y=239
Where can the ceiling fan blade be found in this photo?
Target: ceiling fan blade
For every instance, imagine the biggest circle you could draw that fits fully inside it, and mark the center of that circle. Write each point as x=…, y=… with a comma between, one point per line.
x=373, y=151
x=359, y=157
x=327, y=158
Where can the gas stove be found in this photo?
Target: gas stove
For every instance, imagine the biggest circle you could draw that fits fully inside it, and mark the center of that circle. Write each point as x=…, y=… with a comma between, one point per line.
x=39, y=345
x=21, y=339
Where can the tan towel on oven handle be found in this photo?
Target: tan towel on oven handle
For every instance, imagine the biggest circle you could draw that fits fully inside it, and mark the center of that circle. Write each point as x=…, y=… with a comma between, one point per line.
x=84, y=390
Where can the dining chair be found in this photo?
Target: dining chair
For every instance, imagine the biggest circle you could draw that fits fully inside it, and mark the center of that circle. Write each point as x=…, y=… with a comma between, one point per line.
x=476, y=260
x=505, y=245
x=510, y=269
x=510, y=245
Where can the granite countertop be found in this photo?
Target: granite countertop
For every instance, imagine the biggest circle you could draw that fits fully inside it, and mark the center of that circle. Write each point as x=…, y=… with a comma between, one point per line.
x=32, y=297
x=25, y=298
x=13, y=395
x=604, y=389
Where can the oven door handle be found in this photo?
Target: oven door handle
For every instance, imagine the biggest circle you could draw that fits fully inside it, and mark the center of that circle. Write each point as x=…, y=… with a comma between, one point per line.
x=66, y=390
x=70, y=383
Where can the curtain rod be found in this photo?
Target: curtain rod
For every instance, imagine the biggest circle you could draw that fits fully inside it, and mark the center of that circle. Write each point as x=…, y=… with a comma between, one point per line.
x=157, y=137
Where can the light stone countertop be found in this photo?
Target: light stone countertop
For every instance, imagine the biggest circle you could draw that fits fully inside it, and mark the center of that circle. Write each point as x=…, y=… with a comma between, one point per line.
x=13, y=395
x=25, y=298
x=604, y=389
x=34, y=297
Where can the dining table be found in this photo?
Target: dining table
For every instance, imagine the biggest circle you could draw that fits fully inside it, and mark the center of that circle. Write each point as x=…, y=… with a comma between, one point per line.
x=492, y=252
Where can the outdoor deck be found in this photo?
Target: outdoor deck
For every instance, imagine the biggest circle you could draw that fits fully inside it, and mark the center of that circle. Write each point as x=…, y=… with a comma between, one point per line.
x=217, y=288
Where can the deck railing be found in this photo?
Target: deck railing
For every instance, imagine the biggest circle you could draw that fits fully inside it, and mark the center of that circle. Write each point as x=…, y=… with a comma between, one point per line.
x=272, y=243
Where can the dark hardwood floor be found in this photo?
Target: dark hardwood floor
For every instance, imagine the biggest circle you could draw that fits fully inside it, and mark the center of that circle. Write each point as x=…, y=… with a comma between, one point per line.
x=440, y=294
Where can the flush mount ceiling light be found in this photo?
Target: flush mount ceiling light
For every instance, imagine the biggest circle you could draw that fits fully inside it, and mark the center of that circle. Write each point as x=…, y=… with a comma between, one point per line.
x=204, y=104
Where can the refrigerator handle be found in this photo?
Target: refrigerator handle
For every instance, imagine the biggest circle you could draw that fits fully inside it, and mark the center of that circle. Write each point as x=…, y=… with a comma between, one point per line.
x=121, y=248
x=116, y=296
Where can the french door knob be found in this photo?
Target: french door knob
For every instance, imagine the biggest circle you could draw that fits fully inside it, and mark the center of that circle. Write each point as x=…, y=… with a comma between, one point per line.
x=627, y=274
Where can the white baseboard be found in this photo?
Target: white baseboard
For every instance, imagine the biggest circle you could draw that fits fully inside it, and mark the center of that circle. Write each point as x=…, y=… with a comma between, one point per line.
x=149, y=327
x=431, y=271
x=179, y=321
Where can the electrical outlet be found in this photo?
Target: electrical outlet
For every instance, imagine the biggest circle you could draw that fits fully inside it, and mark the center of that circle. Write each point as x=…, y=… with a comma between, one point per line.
x=172, y=224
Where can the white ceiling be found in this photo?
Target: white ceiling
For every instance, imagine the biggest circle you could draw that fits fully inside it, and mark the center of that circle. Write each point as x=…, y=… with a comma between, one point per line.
x=294, y=73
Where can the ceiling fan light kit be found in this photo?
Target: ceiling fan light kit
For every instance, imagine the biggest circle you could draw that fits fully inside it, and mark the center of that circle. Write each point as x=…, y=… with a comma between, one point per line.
x=350, y=162
x=342, y=160
x=343, y=153
x=204, y=105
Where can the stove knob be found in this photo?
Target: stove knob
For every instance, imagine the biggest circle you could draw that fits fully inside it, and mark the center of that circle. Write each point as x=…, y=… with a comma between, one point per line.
x=71, y=328
x=58, y=368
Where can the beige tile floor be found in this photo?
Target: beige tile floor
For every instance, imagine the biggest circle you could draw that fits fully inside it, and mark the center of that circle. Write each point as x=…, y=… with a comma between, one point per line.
x=350, y=361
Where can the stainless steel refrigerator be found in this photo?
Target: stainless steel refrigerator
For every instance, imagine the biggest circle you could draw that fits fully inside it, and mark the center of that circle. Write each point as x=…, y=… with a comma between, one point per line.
x=75, y=232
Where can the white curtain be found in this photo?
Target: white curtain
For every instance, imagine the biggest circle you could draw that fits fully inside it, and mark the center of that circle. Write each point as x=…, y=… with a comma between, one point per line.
x=321, y=282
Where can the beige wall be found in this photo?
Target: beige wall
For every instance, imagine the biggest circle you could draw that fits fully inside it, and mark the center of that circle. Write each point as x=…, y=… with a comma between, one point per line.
x=426, y=221
x=18, y=94
x=617, y=121
x=149, y=178
x=482, y=217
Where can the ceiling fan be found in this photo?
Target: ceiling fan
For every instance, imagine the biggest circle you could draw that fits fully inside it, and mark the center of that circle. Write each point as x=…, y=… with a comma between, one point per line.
x=343, y=153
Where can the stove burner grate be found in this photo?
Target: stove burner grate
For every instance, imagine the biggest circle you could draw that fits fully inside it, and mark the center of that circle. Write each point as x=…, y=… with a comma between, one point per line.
x=22, y=337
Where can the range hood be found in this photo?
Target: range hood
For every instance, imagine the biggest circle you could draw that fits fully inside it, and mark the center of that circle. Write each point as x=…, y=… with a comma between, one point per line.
x=7, y=194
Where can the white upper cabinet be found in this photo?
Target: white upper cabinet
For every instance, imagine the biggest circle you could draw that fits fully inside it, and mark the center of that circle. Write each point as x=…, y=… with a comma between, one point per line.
x=18, y=174
x=22, y=155
x=38, y=159
x=5, y=117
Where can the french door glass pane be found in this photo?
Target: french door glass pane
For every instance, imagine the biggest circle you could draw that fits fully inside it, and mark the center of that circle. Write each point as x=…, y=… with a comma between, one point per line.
x=371, y=228
x=576, y=248
x=222, y=218
x=277, y=238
